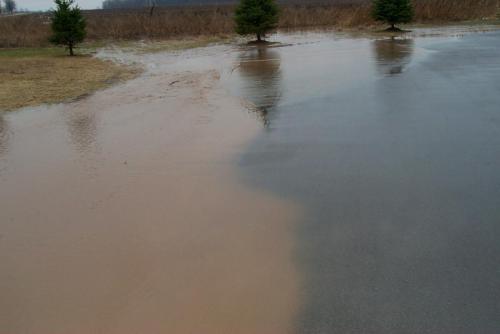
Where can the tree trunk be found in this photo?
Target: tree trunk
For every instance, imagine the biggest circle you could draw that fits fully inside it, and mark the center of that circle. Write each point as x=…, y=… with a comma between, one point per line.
x=392, y=26
x=259, y=37
x=70, y=46
x=151, y=11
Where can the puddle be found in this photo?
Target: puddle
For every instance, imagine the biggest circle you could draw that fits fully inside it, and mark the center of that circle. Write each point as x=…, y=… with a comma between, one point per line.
x=392, y=145
x=123, y=213
x=350, y=184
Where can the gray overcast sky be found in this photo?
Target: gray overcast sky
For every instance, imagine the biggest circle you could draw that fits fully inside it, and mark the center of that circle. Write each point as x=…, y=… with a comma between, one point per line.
x=47, y=4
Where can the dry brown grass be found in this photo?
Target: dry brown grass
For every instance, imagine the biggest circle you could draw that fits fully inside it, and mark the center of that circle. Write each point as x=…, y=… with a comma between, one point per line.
x=359, y=15
x=34, y=76
x=33, y=30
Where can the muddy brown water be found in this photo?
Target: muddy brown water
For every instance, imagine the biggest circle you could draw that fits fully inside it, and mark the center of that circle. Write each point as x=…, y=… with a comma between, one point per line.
x=122, y=213
x=332, y=184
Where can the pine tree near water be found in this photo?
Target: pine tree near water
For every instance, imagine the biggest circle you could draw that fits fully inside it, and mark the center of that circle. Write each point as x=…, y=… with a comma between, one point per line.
x=68, y=25
x=393, y=12
x=256, y=17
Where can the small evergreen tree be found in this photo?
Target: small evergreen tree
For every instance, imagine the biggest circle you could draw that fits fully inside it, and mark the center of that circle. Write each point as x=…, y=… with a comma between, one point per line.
x=10, y=6
x=393, y=11
x=68, y=25
x=256, y=17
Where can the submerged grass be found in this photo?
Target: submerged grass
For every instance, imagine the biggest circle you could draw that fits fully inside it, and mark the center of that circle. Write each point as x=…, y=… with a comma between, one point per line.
x=35, y=76
x=162, y=45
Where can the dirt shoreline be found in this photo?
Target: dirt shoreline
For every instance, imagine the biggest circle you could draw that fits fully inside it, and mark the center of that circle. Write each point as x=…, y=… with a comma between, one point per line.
x=123, y=213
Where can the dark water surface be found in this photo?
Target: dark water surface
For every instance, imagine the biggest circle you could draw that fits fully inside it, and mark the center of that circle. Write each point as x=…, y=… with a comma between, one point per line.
x=393, y=147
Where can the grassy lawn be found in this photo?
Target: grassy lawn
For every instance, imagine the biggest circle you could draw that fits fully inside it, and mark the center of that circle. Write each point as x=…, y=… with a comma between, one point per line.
x=33, y=76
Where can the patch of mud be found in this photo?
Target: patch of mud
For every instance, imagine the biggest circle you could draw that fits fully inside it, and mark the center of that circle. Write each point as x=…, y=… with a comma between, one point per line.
x=123, y=213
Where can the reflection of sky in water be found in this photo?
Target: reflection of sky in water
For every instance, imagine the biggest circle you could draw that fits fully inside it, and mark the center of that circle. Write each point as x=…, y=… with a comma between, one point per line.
x=393, y=147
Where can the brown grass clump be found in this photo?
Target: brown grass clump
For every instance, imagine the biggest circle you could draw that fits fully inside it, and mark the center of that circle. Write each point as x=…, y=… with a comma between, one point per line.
x=359, y=14
x=455, y=10
x=24, y=30
x=34, y=76
x=175, y=22
x=350, y=15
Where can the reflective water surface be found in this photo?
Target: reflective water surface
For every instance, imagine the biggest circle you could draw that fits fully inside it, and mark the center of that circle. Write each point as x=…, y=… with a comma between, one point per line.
x=393, y=147
x=3, y=134
x=327, y=184
x=122, y=213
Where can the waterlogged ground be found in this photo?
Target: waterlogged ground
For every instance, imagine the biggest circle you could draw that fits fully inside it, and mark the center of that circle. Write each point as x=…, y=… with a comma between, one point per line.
x=327, y=184
x=393, y=148
x=123, y=213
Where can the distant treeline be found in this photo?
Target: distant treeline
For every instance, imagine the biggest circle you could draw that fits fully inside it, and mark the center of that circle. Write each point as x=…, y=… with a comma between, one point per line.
x=115, y=4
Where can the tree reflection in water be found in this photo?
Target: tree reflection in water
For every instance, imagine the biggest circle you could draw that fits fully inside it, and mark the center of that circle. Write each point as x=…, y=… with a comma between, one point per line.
x=82, y=128
x=393, y=55
x=3, y=134
x=260, y=72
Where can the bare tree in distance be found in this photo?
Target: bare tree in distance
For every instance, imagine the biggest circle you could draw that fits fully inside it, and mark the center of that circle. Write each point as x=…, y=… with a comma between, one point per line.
x=152, y=5
x=10, y=6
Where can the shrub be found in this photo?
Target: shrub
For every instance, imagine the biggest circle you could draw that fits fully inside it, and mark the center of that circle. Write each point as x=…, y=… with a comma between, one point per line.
x=68, y=25
x=256, y=17
x=393, y=11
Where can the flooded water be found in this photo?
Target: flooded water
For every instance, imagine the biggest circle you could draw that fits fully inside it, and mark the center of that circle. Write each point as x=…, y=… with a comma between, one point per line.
x=122, y=213
x=327, y=184
x=393, y=148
